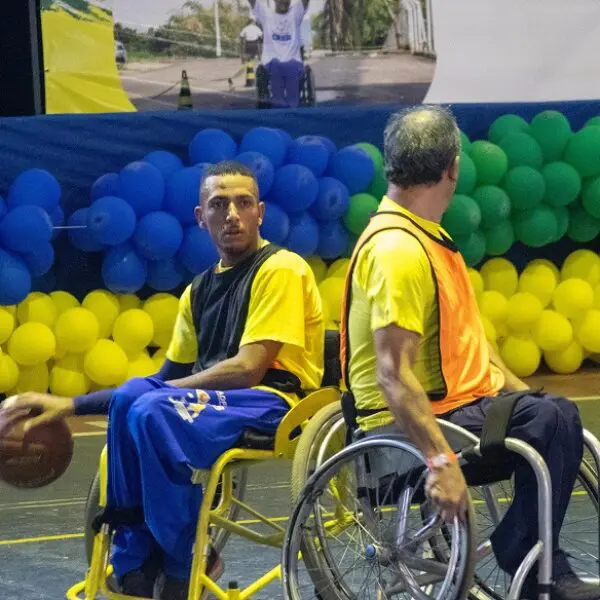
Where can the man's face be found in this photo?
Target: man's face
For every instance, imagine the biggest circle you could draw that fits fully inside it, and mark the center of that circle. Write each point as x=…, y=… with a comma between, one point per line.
x=282, y=6
x=232, y=213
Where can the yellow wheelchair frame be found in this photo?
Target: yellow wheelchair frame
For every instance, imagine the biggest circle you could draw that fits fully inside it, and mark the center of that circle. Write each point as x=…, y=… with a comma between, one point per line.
x=222, y=471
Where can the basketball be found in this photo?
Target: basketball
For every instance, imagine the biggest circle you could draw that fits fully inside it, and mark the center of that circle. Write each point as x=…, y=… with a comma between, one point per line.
x=36, y=459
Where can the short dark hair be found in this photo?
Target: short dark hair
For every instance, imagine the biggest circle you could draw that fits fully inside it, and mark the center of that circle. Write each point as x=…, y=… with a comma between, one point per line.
x=227, y=167
x=421, y=144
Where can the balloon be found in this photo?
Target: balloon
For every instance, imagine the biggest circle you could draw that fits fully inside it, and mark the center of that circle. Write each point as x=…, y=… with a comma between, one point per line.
x=583, y=227
x=263, y=169
x=505, y=125
x=133, y=330
x=462, y=217
x=587, y=331
x=105, y=307
x=295, y=188
x=106, y=185
x=40, y=260
x=15, y=279
x=524, y=309
x=593, y=122
x=303, y=237
x=499, y=239
x=183, y=194
x=565, y=361
x=500, y=275
x=494, y=306
x=166, y=162
x=525, y=187
x=332, y=200
x=68, y=379
x=379, y=185
x=590, y=198
x=472, y=247
x=111, y=221
x=197, y=252
x=3, y=208
x=141, y=365
x=24, y=228
x=319, y=268
x=563, y=183
x=142, y=186
x=212, y=146
x=465, y=142
x=582, y=264
x=583, y=152
x=287, y=138
x=33, y=379
x=467, y=176
x=158, y=236
x=57, y=218
x=77, y=330
x=490, y=162
x=106, y=363
x=353, y=167
x=81, y=238
x=158, y=358
x=37, y=308
x=539, y=280
x=123, y=271
x=9, y=373
x=352, y=241
x=165, y=275
x=360, y=209
x=489, y=329
x=267, y=141
x=7, y=324
x=333, y=239
x=163, y=309
x=374, y=153
x=521, y=355
x=34, y=187
x=332, y=292
x=494, y=205
x=276, y=224
x=128, y=301
x=521, y=149
x=339, y=268
x=32, y=344
x=476, y=280
x=328, y=144
x=552, y=131
x=562, y=216
x=573, y=297
x=310, y=152
x=536, y=227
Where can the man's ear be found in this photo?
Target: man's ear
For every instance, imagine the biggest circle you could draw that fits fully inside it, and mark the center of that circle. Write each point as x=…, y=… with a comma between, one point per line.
x=454, y=170
x=199, y=217
x=261, y=212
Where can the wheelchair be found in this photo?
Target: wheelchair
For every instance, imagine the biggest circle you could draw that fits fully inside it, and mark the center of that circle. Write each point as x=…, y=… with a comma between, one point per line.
x=362, y=520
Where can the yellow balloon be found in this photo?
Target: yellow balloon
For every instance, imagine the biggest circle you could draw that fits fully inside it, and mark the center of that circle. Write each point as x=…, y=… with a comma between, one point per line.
x=129, y=301
x=7, y=324
x=565, y=361
x=77, y=330
x=540, y=280
x=319, y=268
x=339, y=268
x=63, y=301
x=326, y=312
x=163, y=309
x=521, y=355
x=582, y=264
x=546, y=263
x=494, y=306
x=552, y=332
x=141, y=366
x=501, y=331
x=332, y=326
x=105, y=307
x=524, y=309
x=476, y=281
x=573, y=297
x=37, y=308
x=133, y=330
x=501, y=275
x=106, y=363
x=33, y=379
x=67, y=377
x=159, y=358
x=597, y=296
x=332, y=292
x=9, y=373
x=490, y=330
x=12, y=309
x=587, y=331
x=32, y=344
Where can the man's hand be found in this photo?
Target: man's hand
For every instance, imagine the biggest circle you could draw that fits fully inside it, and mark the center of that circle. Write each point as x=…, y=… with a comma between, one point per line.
x=447, y=488
x=45, y=407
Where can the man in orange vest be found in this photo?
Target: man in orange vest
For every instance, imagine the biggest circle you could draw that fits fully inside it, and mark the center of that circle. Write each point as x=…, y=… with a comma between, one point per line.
x=414, y=347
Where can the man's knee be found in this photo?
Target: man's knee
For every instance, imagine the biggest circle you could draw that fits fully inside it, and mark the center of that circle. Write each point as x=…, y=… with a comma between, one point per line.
x=124, y=396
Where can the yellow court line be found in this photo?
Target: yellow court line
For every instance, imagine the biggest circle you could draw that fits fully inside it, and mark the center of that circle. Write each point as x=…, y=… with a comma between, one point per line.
x=45, y=538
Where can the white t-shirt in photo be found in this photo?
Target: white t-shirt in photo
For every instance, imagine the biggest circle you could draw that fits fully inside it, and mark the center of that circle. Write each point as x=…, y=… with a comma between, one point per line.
x=281, y=32
x=251, y=33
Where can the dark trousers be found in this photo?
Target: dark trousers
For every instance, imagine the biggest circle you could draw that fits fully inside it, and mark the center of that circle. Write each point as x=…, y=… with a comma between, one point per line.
x=552, y=426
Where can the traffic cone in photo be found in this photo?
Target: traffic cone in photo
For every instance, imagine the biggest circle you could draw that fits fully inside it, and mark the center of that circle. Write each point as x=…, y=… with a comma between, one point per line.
x=250, y=75
x=185, y=94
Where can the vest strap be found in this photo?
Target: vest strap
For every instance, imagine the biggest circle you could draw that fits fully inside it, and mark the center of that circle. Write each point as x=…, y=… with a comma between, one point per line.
x=117, y=517
x=284, y=382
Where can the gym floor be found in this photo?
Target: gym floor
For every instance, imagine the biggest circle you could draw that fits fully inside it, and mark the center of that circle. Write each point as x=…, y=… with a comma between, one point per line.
x=41, y=531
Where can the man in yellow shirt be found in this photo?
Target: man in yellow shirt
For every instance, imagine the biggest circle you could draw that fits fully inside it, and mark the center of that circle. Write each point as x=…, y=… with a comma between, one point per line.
x=248, y=341
x=413, y=347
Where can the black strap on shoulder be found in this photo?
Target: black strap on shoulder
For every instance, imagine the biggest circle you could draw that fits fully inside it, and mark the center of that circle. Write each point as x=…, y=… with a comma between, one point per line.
x=117, y=517
x=284, y=382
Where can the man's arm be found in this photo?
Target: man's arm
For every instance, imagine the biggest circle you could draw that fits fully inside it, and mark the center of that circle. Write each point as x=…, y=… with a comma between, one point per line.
x=512, y=382
x=305, y=3
x=252, y=4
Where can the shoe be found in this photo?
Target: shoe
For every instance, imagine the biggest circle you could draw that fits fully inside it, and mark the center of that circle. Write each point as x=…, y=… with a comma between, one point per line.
x=140, y=582
x=570, y=587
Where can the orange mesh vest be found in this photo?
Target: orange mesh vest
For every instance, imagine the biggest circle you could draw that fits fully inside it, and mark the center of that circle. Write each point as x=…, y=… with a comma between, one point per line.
x=464, y=359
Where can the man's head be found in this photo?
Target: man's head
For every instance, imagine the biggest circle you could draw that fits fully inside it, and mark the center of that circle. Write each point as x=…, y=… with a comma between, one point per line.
x=231, y=210
x=282, y=6
x=422, y=146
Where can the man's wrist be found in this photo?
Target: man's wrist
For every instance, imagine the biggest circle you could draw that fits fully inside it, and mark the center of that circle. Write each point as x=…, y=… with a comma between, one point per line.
x=441, y=460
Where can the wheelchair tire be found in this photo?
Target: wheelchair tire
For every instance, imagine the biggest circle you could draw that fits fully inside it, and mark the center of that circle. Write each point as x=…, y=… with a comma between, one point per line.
x=308, y=92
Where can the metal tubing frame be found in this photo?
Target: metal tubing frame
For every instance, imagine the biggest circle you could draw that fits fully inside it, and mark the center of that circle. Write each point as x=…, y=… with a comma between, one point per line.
x=590, y=441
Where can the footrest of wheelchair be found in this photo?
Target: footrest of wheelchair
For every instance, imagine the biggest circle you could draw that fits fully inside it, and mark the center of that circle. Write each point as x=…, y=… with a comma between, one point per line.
x=254, y=440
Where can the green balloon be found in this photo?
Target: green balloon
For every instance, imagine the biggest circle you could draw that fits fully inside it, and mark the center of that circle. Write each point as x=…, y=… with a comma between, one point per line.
x=563, y=183
x=582, y=226
x=593, y=122
x=467, y=176
x=499, y=239
x=506, y=124
x=472, y=247
x=583, y=152
x=525, y=187
x=362, y=206
x=490, y=161
x=522, y=149
x=590, y=198
x=494, y=205
x=536, y=227
x=374, y=152
x=379, y=185
x=352, y=239
x=462, y=217
x=562, y=219
x=465, y=142
x=552, y=131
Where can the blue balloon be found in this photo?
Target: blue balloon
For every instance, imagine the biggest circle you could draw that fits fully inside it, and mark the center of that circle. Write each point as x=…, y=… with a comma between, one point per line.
x=40, y=260
x=24, y=228
x=212, y=146
x=295, y=188
x=3, y=208
x=34, y=187
x=310, y=152
x=304, y=235
x=328, y=144
x=353, y=167
x=165, y=275
x=15, y=279
x=332, y=200
x=287, y=138
x=142, y=186
x=80, y=237
x=262, y=168
x=276, y=224
x=267, y=141
x=183, y=194
x=333, y=239
x=107, y=185
x=111, y=221
x=57, y=216
x=158, y=236
x=197, y=252
x=123, y=271
x=166, y=162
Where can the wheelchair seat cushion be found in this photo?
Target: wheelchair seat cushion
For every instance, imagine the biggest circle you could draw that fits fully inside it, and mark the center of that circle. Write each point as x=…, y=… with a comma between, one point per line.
x=255, y=440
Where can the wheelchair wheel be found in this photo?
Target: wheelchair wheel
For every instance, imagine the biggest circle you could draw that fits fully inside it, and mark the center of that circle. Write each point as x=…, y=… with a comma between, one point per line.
x=219, y=536
x=358, y=526
x=308, y=92
x=262, y=88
